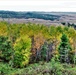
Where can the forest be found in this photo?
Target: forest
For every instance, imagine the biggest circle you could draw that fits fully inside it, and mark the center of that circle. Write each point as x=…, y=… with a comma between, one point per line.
x=34, y=49
x=27, y=15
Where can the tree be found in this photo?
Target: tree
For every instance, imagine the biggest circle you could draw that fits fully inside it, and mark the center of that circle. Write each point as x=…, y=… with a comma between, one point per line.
x=44, y=51
x=13, y=31
x=5, y=49
x=63, y=23
x=22, y=51
x=37, y=42
x=64, y=49
x=3, y=29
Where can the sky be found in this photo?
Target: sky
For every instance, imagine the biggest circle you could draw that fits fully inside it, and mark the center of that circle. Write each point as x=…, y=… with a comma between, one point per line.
x=39, y=5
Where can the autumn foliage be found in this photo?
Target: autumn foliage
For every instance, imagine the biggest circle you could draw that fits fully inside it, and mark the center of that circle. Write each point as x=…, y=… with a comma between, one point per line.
x=33, y=42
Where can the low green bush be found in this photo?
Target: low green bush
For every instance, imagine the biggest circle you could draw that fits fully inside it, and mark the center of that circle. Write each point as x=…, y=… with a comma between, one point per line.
x=51, y=68
x=5, y=69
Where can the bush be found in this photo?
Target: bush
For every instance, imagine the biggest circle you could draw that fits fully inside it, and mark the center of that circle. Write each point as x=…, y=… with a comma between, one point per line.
x=22, y=51
x=56, y=67
x=5, y=69
x=51, y=68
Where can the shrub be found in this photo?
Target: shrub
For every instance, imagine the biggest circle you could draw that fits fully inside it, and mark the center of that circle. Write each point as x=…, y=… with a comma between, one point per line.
x=5, y=69
x=56, y=67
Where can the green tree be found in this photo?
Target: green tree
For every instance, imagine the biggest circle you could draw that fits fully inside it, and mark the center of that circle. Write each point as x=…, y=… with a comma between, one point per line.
x=64, y=49
x=44, y=51
x=22, y=51
x=5, y=49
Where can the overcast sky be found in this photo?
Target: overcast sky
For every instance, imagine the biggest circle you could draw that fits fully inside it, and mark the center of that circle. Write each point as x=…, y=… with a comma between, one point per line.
x=38, y=5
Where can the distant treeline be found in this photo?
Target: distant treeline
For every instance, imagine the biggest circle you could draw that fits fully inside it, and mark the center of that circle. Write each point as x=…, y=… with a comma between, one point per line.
x=26, y=15
x=69, y=24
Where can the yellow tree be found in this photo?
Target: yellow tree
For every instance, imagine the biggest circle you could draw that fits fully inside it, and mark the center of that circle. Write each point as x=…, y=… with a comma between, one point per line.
x=38, y=41
x=22, y=51
x=3, y=28
x=55, y=33
x=72, y=35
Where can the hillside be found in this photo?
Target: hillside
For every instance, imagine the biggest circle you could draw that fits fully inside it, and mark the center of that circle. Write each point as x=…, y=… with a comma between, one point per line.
x=26, y=15
x=46, y=18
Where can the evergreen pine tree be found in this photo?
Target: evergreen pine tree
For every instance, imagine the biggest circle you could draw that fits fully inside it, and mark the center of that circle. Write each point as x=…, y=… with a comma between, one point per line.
x=44, y=51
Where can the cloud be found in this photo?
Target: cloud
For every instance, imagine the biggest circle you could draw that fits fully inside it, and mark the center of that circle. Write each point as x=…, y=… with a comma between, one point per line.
x=38, y=5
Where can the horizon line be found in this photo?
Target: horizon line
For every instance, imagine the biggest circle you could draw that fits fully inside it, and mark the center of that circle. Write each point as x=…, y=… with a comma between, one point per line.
x=36, y=11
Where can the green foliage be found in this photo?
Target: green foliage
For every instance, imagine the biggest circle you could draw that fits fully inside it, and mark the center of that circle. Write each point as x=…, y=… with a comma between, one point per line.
x=56, y=67
x=41, y=68
x=59, y=29
x=25, y=47
x=64, y=49
x=44, y=51
x=13, y=31
x=5, y=49
x=5, y=69
x=22, y=51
